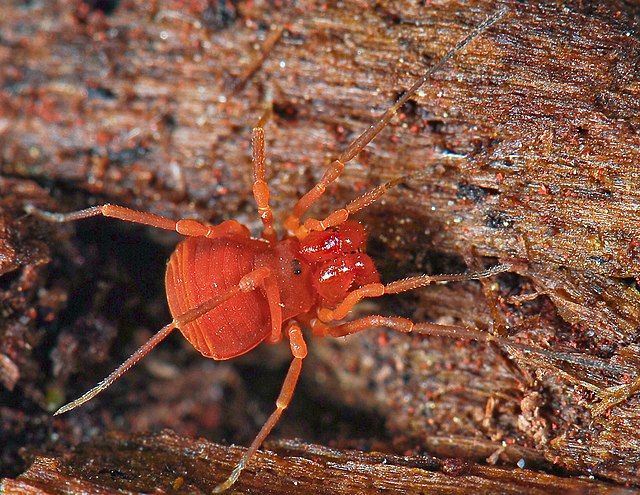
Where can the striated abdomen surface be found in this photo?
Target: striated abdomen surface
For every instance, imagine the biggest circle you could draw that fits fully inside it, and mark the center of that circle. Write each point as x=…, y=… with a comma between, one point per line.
x=201, y=268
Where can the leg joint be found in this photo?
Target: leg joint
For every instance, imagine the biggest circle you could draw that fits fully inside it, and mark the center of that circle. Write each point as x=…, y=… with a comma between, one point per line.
x=252, y=280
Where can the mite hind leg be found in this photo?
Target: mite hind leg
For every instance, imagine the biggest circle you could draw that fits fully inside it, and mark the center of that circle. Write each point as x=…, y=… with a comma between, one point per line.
x=403, y=325
x=299, y=351
x=251, y=281
x=184, y=226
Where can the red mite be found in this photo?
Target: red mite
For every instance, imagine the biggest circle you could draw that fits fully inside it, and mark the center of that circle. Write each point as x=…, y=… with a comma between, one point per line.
x=229, y=292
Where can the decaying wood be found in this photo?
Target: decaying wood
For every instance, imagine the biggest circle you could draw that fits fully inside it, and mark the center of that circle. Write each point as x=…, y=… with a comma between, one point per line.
x=524, y=147
x=195, y=466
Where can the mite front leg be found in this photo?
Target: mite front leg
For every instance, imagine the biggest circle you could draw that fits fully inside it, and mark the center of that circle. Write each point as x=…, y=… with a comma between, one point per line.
x=340, y=216
x=260, y=187
x=292, y=224
x=334, y=170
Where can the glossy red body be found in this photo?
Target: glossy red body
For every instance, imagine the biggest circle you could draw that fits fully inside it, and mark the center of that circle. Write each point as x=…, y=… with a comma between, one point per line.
x=318, y=270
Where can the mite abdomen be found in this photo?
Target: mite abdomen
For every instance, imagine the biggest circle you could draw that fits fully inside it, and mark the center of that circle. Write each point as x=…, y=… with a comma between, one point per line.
x=201, y=268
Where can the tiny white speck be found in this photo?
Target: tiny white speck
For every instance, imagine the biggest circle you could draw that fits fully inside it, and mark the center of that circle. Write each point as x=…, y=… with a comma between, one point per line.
x=521, y=463
x=164, y=35
x=282, y=64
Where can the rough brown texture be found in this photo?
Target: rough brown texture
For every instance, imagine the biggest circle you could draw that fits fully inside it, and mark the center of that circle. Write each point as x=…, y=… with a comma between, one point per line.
x=194, y=466
x=524, y=147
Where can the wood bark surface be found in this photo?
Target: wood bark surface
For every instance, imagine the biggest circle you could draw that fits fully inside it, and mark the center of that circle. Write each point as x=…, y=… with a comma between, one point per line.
x=168, y=463
x=524, y=148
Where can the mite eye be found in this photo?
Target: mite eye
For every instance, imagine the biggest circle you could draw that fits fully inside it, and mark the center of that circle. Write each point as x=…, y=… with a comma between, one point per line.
x=295, y=266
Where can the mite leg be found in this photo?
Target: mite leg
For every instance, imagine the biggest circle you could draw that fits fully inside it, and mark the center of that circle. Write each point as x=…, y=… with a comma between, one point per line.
x=260, y=187
x=269, y=284
x=405, y=325
x=407, y=284
x=335, y=169
x=341, y=215
x=292, y=223
x=249, y=282
x=402, y=325
x=185, y=226
x=299, y=351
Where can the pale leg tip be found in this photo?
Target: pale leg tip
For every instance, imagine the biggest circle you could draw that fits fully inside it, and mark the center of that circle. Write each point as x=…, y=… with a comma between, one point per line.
x=233, y=477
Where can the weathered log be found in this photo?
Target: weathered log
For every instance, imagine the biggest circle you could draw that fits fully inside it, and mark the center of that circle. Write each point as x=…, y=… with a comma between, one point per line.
x=524, y=147
x=121, y=462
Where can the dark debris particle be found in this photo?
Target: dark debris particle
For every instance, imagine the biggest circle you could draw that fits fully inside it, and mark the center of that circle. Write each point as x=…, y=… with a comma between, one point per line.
x=100, y=92
x=285, y=112
x=496, y=220
x=455, y=467
x=471, y=192
x=108, y=7
x=127, y=156
x=220, y=14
